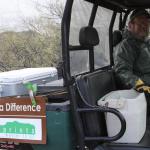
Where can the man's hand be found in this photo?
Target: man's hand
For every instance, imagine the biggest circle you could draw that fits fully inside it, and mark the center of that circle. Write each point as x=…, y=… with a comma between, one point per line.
x=141, y=87
x=145, y=89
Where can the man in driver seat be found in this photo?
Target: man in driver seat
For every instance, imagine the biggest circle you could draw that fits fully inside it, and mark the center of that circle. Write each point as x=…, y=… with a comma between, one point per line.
x=132, y=54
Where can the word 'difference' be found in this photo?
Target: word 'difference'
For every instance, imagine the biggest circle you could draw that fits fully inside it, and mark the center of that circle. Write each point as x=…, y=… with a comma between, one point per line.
x=23, y=108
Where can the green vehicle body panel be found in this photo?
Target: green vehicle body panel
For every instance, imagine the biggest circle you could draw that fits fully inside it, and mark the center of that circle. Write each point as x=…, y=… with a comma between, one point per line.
x=59, y=132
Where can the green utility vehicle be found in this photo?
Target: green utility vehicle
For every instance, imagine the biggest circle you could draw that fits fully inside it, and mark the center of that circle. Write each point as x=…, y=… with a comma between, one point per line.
x=74, y=120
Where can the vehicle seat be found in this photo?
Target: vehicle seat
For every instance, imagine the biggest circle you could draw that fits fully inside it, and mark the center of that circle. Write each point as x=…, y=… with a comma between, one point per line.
x=87, y=86
x=91, y=88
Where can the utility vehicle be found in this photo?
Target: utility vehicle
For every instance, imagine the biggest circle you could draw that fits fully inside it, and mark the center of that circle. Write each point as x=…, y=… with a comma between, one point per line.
x=74, y=121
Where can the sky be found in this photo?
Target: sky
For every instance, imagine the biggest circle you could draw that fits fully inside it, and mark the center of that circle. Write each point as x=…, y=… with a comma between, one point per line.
x=13, y=11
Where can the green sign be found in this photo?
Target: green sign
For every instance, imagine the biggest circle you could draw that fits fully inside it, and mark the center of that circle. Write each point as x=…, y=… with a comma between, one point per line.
x=17, y=128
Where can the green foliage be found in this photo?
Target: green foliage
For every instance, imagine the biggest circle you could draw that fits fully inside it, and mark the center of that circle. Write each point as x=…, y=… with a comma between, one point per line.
x=29, y=48
x=39, y=45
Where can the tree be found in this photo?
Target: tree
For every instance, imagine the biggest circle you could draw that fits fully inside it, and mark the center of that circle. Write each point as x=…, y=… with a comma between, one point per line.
x=27, y=49
x=52, y=10
x=38, y=46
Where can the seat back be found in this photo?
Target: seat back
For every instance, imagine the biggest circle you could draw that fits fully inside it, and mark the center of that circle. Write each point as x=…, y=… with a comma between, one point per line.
x=117, y=37
x=91, y=88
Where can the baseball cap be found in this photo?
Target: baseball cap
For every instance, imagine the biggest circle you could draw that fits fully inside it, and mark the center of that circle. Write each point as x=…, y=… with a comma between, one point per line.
x=139, y=12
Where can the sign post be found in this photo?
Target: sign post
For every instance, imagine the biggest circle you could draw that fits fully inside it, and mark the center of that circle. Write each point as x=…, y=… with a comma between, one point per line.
x=22, y=122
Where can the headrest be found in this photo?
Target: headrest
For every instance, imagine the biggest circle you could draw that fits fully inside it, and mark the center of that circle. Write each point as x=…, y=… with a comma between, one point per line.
x=117, y=37
x=88, y=36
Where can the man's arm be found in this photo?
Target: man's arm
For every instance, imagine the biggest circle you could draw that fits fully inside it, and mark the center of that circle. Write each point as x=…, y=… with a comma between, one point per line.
x=124, y=59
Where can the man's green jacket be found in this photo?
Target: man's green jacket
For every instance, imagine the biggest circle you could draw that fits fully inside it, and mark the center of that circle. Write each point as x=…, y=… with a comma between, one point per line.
x=132, y=60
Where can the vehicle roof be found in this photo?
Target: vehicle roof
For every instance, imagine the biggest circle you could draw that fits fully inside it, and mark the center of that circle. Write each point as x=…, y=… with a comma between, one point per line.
x=120, y=5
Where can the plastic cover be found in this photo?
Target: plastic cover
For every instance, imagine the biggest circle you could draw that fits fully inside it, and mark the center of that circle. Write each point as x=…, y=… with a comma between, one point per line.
x=21, y=75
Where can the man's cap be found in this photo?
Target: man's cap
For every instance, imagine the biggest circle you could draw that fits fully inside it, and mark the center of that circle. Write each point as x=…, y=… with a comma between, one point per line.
x=139, y=12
